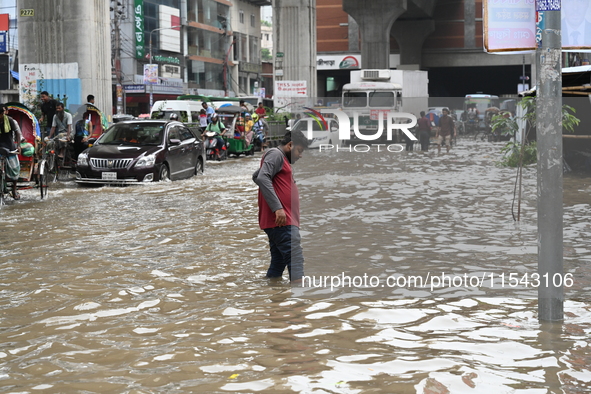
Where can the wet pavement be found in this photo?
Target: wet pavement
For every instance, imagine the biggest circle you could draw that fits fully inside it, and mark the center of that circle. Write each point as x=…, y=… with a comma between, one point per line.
x=159, y=288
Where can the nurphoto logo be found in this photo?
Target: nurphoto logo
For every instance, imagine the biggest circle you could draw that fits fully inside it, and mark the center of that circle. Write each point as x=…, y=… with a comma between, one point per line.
x=387, y=121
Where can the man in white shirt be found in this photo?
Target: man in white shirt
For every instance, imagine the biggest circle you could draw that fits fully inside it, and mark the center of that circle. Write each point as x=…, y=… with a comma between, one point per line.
x=576, y=29
x=62, y=122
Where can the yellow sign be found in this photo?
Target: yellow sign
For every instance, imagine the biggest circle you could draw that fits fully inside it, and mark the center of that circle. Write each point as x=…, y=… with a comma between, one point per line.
x=27, y=12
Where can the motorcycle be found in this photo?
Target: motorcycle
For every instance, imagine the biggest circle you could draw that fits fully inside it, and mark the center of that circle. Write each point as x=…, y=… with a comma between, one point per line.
x=259, y=135
x=214, y=149
x=471, y=124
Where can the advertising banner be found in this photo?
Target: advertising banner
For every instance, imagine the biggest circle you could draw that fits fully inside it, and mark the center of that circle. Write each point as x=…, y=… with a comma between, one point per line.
x=170, y=33
x=510, y=25
x=150, y=74
x=3, y=42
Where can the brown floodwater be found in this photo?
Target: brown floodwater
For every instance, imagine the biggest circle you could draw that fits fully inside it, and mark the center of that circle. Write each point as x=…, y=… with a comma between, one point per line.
x=159, y=288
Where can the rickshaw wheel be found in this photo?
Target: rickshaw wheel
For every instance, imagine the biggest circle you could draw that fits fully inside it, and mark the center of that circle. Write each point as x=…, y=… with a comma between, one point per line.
x=42, y=177
x=51, y=169
x=2, y=188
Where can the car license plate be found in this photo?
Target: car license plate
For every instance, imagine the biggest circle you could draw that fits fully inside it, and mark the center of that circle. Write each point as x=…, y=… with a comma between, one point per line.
x=109, y=176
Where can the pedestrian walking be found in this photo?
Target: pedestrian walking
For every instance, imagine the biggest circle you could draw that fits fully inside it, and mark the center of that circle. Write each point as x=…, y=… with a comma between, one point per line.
x=424, y=131
x=447, y=129
x=10, y=139
x=279, y=206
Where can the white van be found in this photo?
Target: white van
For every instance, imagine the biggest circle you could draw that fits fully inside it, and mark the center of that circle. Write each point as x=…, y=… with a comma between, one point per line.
x=187, y=110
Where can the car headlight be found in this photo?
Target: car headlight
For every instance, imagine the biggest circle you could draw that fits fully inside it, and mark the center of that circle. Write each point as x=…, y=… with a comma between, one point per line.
x=146, y=161
x=82, y=160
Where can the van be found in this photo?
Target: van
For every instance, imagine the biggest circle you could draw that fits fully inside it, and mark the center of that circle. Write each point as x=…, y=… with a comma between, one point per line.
x=187, y=110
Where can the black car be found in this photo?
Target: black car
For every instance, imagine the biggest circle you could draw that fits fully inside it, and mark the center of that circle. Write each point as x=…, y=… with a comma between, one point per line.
x=137, y=151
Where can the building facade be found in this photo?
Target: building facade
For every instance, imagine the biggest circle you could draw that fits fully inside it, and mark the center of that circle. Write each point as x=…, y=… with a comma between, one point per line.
x=200, y=47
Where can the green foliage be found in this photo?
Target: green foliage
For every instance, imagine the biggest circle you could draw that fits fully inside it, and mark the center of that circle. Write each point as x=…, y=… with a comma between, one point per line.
x=516, y=154
x=266, y=55
x=266, y=23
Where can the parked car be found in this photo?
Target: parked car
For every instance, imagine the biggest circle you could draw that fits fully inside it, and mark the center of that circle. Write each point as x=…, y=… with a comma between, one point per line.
x=137, y=151
x=321, y=133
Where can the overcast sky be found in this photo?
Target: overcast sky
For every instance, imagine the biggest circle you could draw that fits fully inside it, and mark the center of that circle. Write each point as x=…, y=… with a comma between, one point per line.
x=267, y=13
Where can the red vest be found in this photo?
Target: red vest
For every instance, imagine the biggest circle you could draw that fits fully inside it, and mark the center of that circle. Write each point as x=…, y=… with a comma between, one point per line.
x=287, y=192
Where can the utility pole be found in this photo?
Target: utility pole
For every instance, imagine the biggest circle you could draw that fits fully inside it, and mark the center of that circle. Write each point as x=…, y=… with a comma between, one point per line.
x=549, y=143
x=117, y=8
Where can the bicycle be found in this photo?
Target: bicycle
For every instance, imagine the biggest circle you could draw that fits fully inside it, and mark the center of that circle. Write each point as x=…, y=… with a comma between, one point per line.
x=49, y=155
x=3, y=184
x=484, y=134
x=59, y=167
x=66, y=163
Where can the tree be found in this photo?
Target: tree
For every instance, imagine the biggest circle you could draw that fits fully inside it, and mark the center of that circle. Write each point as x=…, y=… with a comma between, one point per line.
x=266, y=55
x=520, y=154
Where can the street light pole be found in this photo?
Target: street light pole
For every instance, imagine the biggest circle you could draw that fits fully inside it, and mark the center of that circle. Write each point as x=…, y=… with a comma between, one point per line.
x=151, y=63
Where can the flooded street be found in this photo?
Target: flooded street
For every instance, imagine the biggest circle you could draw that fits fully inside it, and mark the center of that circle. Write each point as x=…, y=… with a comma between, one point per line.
x=159, y=288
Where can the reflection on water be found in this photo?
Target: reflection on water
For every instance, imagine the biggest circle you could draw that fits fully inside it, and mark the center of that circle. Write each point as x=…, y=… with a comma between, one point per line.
x=159, y=288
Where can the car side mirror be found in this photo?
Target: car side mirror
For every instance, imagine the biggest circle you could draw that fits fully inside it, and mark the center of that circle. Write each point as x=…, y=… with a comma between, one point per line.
x=91, y=141
x=334, y=128
x=175, y=141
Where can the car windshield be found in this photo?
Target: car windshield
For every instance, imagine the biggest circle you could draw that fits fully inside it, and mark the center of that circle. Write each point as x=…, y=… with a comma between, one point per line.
x=166, y=115
x=144, y=133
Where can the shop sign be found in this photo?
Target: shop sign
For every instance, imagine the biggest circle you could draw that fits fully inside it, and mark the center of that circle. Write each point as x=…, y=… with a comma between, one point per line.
x=250, y=67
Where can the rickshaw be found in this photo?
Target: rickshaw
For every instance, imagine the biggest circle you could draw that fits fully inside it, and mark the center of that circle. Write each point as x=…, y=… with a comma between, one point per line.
x=93, y=124
x=33, y=168
x=236, y=140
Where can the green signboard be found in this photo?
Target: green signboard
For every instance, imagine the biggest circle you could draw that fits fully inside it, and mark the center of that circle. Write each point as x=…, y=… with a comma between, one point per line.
x=138, y=21
x=279, y=54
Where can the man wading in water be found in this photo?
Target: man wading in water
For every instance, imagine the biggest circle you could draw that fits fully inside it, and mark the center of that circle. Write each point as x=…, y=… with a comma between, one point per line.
x=279, y=206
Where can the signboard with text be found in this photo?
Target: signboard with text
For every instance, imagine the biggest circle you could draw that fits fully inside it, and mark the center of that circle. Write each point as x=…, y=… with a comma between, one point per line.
x=291, y=88
x=3, y=42
x=289, y=93
x=510, y=25
x=138, y=22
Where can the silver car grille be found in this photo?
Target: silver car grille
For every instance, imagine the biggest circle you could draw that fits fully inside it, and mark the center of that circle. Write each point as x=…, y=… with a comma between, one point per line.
x=110, y=163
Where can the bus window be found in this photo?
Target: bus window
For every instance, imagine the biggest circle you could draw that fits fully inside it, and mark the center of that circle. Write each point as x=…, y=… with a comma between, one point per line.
x=381, y=99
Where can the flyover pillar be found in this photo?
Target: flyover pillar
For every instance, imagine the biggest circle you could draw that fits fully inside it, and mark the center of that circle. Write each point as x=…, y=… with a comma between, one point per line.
x=410, y=35
x=375, y=19
x=295, y=40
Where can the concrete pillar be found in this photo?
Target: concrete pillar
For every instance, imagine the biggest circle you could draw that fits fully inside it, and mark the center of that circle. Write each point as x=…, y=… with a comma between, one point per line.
x=469, y=24
x=375, y=19
x=70, y=42
x=353, y=34
x=410, y=35
x=294, y=22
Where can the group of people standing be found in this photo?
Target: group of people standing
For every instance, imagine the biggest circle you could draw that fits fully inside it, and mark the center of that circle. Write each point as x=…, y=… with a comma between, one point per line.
x=445, y=129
